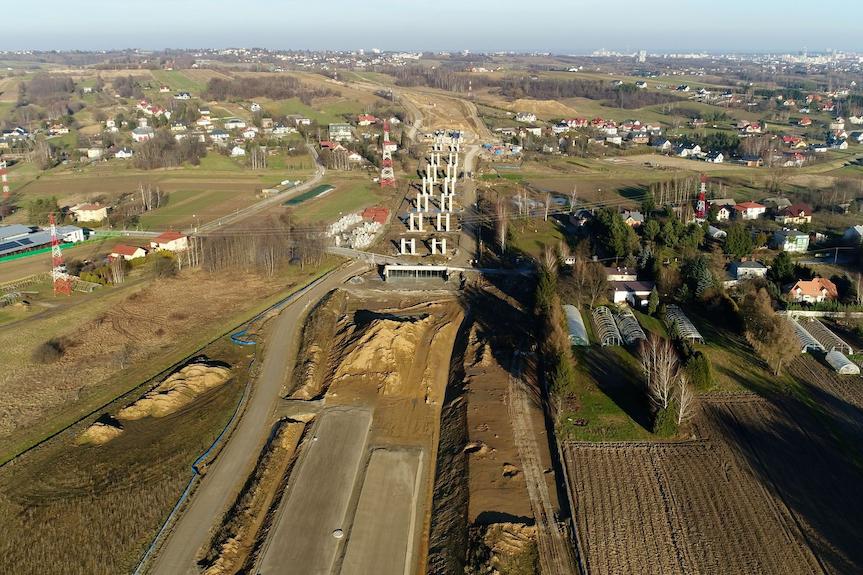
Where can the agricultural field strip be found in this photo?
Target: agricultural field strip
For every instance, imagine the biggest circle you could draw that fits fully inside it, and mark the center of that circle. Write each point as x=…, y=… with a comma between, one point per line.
x=555, y=551
x=697, y=520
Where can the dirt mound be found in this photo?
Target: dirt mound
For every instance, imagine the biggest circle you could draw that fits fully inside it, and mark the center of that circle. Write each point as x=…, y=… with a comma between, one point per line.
x=504, y=548
x=384, y=352
x=542, y=108
x=99, y=433
x=177, y=391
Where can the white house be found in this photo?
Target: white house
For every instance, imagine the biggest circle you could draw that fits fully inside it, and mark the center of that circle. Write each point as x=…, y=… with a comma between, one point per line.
x=183, y=96
x=234, y=124
x=94, y=153
x=526, y=117
x=636, y=293
x=123, y=153
x=171, y=242
x=237, y=152
x=250, y=133
x=143, y=134
x=790, y=241
x=255, y=107
x=749, y=210
x=715, y=157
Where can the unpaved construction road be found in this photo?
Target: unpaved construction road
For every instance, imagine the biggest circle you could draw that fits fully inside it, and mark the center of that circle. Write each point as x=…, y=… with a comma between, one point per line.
x=555, y=551
x=224, y=477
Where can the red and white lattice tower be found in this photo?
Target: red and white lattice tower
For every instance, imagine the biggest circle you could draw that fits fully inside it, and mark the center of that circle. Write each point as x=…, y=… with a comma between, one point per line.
x=701, y=202
x=61, y=279
x=4, y=180
x=388, y=175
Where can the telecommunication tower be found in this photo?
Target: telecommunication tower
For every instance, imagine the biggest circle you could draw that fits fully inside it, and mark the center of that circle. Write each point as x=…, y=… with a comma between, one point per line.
x=61, y=279
x=388, y=175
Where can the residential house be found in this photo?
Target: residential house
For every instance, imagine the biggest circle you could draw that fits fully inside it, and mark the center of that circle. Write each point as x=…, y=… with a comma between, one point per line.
x=790, y=241
x=220, y=136
x=170, y=242
x=815, y=290
x=234, y=124
x=127, y=252
x=620, y=274
x=533, y=130
x=640, y=138
x=715, y=157
x=95, y=153
x=255, y=107
x=641, y=84
x=636, y=293
x=805, y=121
x=776, y=203
x=183, y=96
x=89, y=212
x=633, y=219
x=795, y=214
x=661, y=145
x=366, y=120
x=267, y=124
x=749, y=210
x=688, y=151
x=250, y=133
x=340, y=132
x=837, y=124
x=526, y=117
x=238, y=152
x=284, y=130
x=178, y=127
x=748, y=270
x=123, y=153
x=751, y=161
x=163, y=89
x=144, y=134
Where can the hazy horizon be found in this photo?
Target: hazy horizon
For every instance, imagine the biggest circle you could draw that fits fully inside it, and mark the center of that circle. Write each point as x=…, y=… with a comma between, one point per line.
x=575, y=27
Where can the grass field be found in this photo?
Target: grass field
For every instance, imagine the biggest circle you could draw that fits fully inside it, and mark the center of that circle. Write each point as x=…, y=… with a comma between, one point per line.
x=179, y=81
x=352, y=193
x=94, y=509
x=148, y=324
x=530, y=236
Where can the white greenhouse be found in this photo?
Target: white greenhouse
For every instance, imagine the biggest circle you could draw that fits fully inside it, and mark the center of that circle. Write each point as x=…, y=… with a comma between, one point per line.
x=842, y=364
x=575, y=323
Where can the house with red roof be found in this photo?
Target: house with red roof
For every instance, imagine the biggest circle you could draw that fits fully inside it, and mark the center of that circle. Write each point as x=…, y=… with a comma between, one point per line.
x=795, y=214
x=805, y=121
x=749, y=210
x=127, y=252
x=815, y=290
x=366, y=120
x=170, y=242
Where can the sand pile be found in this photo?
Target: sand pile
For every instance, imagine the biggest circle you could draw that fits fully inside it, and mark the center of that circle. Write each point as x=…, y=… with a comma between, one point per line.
x=507, y=541
x=177, y=391
x=384, y=352
x=99, y=433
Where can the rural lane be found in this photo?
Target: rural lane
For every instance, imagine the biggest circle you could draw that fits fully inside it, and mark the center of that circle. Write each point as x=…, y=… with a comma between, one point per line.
x=224, y=477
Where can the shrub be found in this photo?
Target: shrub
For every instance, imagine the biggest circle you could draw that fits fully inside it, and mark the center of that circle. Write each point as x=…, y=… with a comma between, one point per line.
x=562, y=375
x=164, y=267
x=665, y=421
x=700, y=371
x=51, y=351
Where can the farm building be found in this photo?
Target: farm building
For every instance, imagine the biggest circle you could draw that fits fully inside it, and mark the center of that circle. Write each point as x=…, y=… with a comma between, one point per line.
x=842, y=364
x=18, y=238
x=575, y=324
x=170, y=242
x=127, y=252
x=89, y=212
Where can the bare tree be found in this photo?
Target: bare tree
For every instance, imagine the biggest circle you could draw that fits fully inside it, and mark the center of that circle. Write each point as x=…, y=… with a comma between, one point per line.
x=502, y=221
x=685, y=400
x=659, y=362
x=547, y=204
x=118, y=270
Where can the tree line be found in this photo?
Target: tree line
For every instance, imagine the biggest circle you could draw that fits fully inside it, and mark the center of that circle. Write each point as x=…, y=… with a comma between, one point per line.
x=164, y=151
x=272, y=87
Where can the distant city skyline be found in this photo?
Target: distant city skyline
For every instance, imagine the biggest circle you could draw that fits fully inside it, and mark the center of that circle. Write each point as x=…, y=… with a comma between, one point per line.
x=558, y=26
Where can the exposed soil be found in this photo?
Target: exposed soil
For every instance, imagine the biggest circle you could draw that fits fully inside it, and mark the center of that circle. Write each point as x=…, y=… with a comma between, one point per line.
x=178, y=390
x=232, y=545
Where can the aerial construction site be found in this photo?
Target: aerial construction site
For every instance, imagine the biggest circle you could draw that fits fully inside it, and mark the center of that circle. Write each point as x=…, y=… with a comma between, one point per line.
x=429, y=314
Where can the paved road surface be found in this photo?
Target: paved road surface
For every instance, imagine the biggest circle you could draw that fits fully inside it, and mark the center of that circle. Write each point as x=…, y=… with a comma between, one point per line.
x=226, y=474
x=383, y=534
x=320, y=491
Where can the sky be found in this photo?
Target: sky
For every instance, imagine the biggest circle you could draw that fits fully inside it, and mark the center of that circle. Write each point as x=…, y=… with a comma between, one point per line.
x=559, y=26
